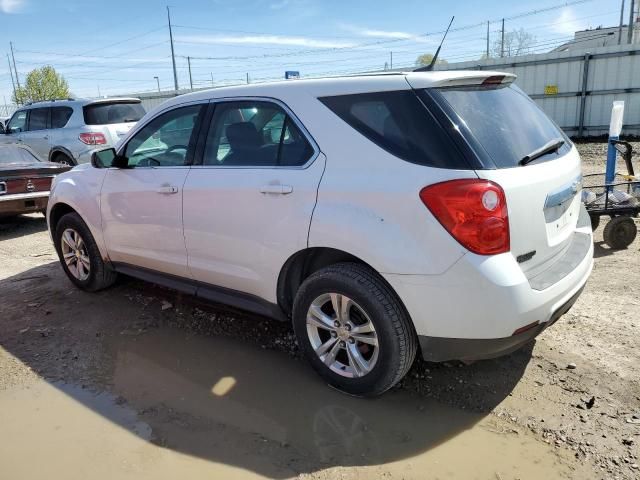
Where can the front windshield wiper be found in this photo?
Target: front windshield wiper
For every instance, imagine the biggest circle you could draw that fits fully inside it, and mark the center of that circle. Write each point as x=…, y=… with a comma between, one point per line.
x=551, y=146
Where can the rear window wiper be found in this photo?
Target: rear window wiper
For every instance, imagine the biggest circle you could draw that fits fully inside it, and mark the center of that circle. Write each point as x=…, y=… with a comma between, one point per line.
x=551, y=146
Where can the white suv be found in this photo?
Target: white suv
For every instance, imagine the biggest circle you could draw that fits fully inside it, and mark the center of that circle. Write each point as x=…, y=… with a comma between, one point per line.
x=380, y=213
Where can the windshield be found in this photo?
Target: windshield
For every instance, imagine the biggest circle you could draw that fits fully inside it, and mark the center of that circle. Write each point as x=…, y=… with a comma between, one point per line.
x=110, y=113
x=15, y=155
x=504, y=121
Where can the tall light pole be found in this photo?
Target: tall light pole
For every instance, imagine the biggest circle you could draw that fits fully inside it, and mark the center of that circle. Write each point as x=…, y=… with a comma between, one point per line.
x=158, y=81
x=173, y=54
x=632, y=22
x=12, y=82
x=621, y=23
x=18, y=79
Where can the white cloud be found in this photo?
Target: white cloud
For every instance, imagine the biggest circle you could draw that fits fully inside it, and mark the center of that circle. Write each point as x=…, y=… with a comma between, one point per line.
x=567, y=23
x=11, y=6
x=265, y=39
x=279, y=5
x=375, y=33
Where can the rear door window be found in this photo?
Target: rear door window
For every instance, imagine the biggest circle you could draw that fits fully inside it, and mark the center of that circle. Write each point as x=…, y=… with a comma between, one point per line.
x=109, y=113
x=38, y=119
x=399, y=123
x=60, y=116
x=255, y=134
x=502, y=120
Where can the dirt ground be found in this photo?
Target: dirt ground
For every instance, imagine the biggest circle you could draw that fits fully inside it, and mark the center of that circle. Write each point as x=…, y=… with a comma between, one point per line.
x=142, y=382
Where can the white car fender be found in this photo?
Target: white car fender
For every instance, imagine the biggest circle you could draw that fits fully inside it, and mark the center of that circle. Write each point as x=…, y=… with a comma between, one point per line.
x=80, y=188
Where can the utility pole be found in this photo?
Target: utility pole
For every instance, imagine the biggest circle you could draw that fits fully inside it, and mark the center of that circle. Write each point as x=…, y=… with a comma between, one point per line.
x=13, y=84
x=99, y=91
x=212, y=83
x=488, y=38
x=158, y=81
x=18, y=78
x=621, y=23
x=502, y=41
x=190, y=78
x=173, y=54
x=390, y=60
x=247, y=78
x=629, y=31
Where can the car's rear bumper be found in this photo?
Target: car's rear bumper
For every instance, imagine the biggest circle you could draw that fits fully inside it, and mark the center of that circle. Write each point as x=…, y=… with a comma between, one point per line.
x=478, y=307
x=23, y=203
x=440, y=349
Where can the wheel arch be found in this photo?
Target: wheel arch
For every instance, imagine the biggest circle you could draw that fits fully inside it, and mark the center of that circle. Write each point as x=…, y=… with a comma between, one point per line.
x=61, y=150
x=58, y=211
x=305, y=262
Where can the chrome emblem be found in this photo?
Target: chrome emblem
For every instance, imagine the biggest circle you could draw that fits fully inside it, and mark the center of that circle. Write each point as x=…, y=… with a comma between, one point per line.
x=30, y=186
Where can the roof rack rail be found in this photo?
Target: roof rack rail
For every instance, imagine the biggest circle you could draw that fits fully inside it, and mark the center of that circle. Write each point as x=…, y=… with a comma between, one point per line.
x=52, y=100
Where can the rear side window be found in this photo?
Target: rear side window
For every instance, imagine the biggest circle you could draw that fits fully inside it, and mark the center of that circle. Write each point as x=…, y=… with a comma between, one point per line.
x=503, y=120
x=110, y=113
x=399, y=123
x=38, y=119
x=60, y=116
x=255, y=134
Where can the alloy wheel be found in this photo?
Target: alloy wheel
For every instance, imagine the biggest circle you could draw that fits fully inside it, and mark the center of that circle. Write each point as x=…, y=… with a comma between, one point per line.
x=342, y=335
x=74, y=253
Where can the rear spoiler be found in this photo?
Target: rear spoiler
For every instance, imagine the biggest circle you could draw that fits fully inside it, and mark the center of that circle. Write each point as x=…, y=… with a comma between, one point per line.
x=113, y=100
x=458, y=78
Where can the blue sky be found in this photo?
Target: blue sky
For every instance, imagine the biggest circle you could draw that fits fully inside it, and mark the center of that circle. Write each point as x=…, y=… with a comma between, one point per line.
x=118, y=47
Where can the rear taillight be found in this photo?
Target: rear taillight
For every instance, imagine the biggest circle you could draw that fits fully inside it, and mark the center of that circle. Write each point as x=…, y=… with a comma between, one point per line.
x=473, y=211
x=93, y=138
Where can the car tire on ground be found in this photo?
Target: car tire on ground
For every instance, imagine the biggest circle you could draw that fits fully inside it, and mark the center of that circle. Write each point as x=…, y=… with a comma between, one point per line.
x=79, y=255
x=63, y=159
x=367, y=347
x=620, y=232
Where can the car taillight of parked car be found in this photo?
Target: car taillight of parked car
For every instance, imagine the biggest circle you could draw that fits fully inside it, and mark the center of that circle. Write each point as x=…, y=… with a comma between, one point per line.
x=93, y=138
x=473, y=211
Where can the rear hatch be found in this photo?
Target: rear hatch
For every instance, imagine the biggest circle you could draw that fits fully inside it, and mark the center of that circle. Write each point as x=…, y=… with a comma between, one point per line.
x=115, y=117
x=503, y=126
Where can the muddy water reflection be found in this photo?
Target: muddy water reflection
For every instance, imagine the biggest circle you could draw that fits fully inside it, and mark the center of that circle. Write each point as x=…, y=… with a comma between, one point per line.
x=182, y=406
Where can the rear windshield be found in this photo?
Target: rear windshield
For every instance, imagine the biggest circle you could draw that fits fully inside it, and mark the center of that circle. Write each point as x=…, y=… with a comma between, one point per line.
x=399, y=123
x=110, y=113
x=503, y=120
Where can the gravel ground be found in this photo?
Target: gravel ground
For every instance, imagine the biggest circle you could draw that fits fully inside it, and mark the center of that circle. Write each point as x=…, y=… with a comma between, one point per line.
x=576, y=388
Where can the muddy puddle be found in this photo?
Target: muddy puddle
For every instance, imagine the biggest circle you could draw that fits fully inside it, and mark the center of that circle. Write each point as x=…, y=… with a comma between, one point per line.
x=176, y=405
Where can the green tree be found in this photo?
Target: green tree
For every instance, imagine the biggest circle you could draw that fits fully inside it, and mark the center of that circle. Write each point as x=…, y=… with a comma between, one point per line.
x=42, y=84
x=426, y=58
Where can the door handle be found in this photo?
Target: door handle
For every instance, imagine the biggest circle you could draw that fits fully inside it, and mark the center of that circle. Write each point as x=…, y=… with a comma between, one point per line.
x=46, y=137
x=277, y=189
x=167, y=189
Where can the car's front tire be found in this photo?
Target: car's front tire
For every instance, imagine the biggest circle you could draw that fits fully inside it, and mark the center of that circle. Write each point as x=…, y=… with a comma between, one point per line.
x=80, y=256
x=353, y=329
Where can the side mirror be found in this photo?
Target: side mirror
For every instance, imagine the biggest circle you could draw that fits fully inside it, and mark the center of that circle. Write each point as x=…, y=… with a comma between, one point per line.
x=108, y=158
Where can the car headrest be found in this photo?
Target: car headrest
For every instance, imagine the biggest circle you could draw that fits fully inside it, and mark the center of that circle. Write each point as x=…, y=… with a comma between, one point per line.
x=243, y=135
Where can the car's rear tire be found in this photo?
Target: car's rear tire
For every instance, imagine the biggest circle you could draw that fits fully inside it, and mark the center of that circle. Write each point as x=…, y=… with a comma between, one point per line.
x=620, y=232
x=63, y=159
x=80, y=256
x=370, y=345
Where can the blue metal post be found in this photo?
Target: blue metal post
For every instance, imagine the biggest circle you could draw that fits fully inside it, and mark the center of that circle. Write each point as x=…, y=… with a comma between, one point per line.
x=610, y=172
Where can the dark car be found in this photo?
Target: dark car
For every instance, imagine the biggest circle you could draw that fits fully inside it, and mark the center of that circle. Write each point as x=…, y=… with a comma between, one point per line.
x=24, y=180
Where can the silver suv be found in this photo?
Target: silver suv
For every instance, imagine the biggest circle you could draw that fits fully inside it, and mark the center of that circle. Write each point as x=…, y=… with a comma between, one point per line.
x=68, y=131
